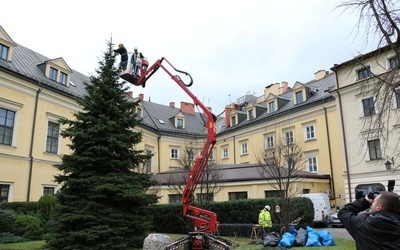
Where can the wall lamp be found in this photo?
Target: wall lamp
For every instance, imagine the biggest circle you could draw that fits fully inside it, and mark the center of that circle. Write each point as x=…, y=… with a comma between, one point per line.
x=388, y=163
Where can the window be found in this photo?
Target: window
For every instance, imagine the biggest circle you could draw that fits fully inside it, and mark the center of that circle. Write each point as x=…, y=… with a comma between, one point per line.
x=174, y=153
x=174, y=198
x=148, y=162
x=179, y=123
x=243, y=148
x=233, y=120
x=3, y=52
x=49, y=190
x=288, y=137
x=63, y=78
x=306, y=191
x=53, y=74
x=368, y=106
x=374, y=148
x=190, y=154
x=363, y=73
x=269, y=141
x=299, y=97
x=397, y=94
x=4, y=192
x=237, y=195
x=311, y=164
x=251, y=114
x=271, y=106
x=393, y=63
x=309, y=131
x=205, y=197
x=225, y=153
x=52, y=137
x=274, y=194
x=7, y=118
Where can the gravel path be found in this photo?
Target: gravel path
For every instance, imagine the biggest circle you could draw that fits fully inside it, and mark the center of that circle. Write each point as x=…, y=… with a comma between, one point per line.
x=340, y=233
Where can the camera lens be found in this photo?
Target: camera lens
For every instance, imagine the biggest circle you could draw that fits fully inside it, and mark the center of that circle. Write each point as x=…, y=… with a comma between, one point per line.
x=373, y=195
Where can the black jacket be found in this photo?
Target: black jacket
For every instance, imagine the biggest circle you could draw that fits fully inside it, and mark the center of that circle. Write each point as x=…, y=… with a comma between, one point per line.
x=123, y=52
x=375, y=231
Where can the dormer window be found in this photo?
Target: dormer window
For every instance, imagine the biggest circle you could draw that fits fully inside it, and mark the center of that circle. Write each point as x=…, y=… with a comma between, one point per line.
x=63, y=78
x=3, y=51
x=53, y=74
x=233, y=120
x=139, y=111
x=299, y=97
x=271, y=107
x=179, y=123
x=251, y=114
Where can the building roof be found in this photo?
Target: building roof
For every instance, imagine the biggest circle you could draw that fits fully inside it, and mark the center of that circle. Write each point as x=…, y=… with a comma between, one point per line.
x=25, y=65
x=322, y=86
x=233, y=173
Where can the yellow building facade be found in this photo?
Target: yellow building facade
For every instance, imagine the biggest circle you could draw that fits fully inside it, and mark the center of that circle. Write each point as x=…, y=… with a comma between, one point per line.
x=36, y=91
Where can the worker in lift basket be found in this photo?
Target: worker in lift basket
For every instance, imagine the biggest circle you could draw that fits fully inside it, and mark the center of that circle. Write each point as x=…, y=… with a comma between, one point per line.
x=136, y=60
x=124, y=56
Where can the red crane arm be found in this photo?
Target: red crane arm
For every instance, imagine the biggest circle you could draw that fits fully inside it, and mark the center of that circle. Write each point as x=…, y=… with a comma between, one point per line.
x=204, y=220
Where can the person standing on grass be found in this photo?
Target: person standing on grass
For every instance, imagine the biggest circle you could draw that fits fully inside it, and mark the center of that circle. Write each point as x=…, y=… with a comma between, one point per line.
x=265, y=222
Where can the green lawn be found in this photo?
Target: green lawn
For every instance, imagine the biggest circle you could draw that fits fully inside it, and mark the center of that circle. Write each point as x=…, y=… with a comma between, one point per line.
x=242, y=242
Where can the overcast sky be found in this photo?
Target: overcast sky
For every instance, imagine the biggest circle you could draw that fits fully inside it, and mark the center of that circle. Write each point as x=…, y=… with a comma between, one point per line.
x=230, y=47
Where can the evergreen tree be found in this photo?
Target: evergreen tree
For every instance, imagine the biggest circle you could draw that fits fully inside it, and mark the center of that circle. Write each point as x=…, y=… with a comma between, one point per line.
x=103, y=200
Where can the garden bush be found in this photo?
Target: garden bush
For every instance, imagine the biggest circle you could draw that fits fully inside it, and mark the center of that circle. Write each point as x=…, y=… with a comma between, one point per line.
x=29, y=227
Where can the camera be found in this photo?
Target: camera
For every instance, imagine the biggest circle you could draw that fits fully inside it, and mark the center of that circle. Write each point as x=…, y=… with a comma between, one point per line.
x=372, y=192
x=372, y=195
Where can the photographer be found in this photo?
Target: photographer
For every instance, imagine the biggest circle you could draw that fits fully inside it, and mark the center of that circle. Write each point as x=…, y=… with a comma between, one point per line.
x=379, y=229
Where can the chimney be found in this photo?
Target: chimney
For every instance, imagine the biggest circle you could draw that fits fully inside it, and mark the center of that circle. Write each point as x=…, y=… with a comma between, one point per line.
x=141, y=96
x=172, y=104
x=284, y=87
x=129, y=93
x=187, y=107
x=227, y=118
x=320, y=74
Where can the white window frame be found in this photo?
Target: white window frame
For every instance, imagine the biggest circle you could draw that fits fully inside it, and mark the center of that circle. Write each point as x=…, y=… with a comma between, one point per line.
x=374, y=111
x=244, y=149
x=269, y=141
x=49, y=186
x=300, y=93
x=313, y=166
x=225, y=152
x=365, y=68
x=380, y=148
x=53, y=119
x=251, y=114
x=174, y=153
x=271, y=107
x=15, y=107
x=10, y=190
x=289, y=132
x=180, y=123
x=309, y=135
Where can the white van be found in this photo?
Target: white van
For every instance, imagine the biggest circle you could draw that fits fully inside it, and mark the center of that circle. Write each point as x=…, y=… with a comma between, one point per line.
x=322, y=207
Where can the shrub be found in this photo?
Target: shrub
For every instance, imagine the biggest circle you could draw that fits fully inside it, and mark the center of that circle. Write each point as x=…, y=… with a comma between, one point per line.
x=45, y=206
x=7, y=219
x=10, y=238
x=29, y=227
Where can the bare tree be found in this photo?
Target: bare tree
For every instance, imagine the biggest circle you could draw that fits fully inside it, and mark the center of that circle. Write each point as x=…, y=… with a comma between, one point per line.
x=380, y=19
x=281, y=166
x=210, y=180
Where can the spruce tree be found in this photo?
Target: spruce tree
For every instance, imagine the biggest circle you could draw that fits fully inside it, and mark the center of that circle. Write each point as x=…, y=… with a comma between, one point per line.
x=103, y=200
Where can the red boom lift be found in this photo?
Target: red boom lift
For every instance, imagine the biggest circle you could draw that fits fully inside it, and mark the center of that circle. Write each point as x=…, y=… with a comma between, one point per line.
x=205, y=221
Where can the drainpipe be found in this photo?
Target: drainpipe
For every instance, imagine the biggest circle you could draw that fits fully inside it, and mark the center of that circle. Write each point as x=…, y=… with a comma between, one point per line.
x=159, y=154
x=234, y=150
x=344, y=138
x=330, y=154
x=31, y=147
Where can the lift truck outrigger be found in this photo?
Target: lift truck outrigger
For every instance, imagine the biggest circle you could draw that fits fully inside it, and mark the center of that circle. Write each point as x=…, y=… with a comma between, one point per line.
x=205, y=221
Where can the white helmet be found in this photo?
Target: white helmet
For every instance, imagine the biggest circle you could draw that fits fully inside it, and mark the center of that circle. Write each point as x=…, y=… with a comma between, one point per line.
x=267, y=207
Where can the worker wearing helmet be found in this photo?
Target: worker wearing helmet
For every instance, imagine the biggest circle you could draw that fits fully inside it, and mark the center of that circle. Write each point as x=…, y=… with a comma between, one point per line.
x=264, y=220
x=124, y=56
x=136, y=60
